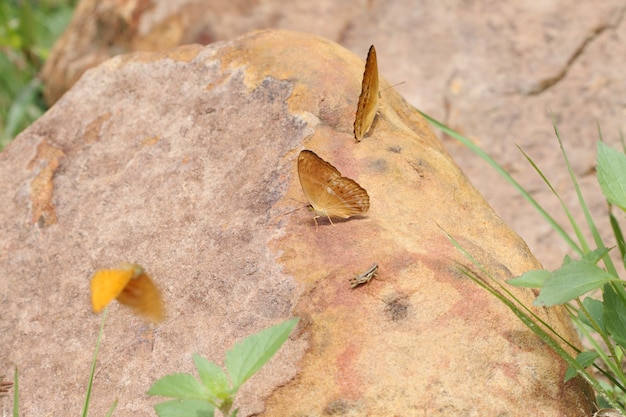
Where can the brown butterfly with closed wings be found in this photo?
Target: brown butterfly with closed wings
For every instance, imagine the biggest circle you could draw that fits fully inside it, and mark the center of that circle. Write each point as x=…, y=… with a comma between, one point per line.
x=368, y=100
x=329, y=194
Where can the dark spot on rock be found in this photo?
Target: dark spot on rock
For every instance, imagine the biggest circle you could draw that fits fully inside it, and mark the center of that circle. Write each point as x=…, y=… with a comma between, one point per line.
x=397, y=308
x=337, y=407
x=395, y=149
x=378, y=165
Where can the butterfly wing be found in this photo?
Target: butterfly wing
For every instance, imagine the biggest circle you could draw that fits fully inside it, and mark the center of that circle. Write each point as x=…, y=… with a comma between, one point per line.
x=329, y=193
x=346, y=198
x=143, y=296
x=368, y=100
x=314, y=174
x=106, y=285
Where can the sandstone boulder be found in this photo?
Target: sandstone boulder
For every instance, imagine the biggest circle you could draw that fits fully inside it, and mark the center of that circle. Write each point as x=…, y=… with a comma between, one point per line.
x=185, y=162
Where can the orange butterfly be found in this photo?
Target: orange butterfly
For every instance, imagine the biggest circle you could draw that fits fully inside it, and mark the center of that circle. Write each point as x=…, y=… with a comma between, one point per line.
x=368, y=100
x=131, y=286
x=330, y=194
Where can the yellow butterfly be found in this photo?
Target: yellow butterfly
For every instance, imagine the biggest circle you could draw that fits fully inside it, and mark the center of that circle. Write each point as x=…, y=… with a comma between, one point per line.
x=368, y=100
x=131, y=286
x=329, y=194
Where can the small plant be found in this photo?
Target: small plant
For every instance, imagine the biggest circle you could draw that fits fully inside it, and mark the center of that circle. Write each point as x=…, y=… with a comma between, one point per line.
x=605, y=318
x=129, y=285
x=27, y=31
x=601, y=322
x=216, y=389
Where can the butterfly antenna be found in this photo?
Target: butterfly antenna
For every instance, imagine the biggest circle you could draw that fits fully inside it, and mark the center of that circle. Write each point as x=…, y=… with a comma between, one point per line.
x=392, y=86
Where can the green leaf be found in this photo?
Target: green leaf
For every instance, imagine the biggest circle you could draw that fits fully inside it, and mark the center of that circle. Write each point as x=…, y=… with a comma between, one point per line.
x=249, y=355
x=26, y=26
x=595, y=309
x=596, y=255
x=611, y=172
x=530, y=279
x=23, y=111
x=185, y=408
x=615, y=315
x=213, y=377
x=573, y=279
x=585, y=359
x=183, y=386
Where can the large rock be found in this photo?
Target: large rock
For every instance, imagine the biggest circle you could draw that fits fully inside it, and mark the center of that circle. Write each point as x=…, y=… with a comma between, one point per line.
x=185, y=162
x=492, y=70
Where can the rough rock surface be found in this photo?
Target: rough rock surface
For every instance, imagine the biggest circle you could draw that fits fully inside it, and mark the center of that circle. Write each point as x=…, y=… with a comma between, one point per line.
x=492, y=70
x=184, y=162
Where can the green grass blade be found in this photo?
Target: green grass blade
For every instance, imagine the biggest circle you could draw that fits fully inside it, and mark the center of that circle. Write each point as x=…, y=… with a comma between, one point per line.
x=583, y=205
x=619, y=236
x=546, y=338
x=581, y=238
x=16, y=394
x=527, y=319
x=93, y=364
x=505, y=291
x=500, y=170
x=615, y=368
x=111, y=409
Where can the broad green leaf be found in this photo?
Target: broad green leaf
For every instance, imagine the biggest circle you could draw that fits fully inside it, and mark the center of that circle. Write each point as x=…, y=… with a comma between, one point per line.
x=614, y=315
x=570, y=281
x=249, y=355
x=595, y=255
x=611, y=173
x=179, y=386
x=595, y=309
x=185, y=408
x=585, y=359
x=530, y=279
x=213, y=377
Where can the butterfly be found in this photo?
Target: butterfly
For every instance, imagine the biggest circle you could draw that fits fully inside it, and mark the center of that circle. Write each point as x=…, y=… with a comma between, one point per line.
x=365, y=277
x=131, y=286
x=368, y=100
x=329, y=194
